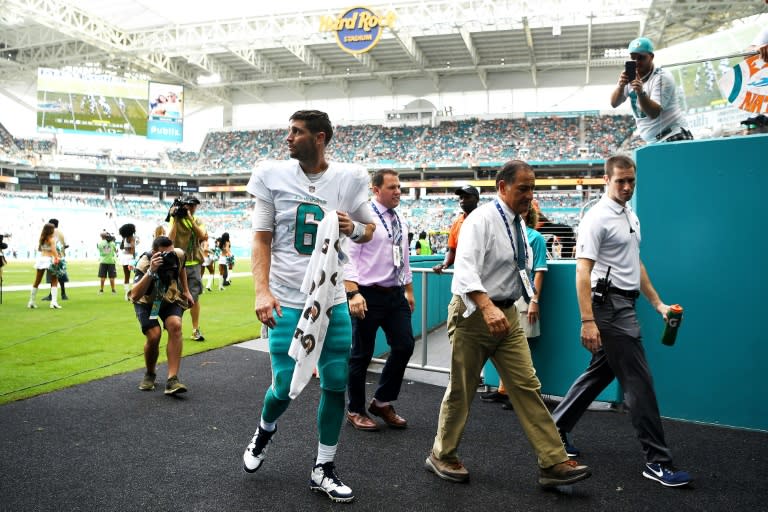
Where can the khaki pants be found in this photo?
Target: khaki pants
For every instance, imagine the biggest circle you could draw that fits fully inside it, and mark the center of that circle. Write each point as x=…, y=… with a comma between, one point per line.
x=471, y=346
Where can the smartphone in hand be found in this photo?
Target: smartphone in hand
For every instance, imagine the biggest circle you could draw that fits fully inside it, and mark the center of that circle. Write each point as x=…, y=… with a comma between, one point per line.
x=630, y=68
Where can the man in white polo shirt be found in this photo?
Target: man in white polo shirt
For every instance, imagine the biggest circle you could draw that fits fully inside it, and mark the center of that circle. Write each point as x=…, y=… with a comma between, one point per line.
x=609, y=278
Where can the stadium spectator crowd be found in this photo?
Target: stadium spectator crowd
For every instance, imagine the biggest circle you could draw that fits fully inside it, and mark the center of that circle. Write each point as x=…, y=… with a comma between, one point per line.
x=446, y=144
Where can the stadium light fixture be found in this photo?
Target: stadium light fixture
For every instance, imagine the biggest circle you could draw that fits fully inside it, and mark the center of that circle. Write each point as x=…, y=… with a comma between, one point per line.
x=213, y=78
x=10, y=19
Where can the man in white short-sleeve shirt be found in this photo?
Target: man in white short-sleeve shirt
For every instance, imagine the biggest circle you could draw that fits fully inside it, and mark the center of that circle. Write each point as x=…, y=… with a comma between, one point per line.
x=609, y=239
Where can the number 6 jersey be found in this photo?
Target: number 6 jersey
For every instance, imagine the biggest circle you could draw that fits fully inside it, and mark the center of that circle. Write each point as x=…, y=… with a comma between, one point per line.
x=300, y=204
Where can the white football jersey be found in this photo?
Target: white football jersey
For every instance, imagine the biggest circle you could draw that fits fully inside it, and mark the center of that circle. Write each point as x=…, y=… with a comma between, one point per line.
x=300, y=204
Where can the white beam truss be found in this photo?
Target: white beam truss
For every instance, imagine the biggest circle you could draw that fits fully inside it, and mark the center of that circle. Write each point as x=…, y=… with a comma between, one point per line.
x=57, y=32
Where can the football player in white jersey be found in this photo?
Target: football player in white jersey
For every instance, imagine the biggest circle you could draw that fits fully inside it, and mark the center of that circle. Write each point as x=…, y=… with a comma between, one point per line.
x=290, y=198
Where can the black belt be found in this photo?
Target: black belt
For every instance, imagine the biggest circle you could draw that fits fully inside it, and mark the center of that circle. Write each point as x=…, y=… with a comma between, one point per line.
x=683, y=134
x=630, y=294
x=384, y=289
x=504, y=303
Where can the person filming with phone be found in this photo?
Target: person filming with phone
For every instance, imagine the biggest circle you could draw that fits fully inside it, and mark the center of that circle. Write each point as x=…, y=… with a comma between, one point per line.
x=652, y=94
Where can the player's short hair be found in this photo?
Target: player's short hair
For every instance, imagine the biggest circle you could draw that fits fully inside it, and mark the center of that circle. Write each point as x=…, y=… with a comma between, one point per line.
x=316, y=122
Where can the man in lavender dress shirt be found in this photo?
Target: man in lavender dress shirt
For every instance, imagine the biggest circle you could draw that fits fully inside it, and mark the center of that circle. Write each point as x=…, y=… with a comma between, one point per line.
x=379, y=288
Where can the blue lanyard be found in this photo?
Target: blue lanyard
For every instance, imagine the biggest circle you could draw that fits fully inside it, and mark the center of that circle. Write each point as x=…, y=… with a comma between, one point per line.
x=384, y=223
x=520, y=261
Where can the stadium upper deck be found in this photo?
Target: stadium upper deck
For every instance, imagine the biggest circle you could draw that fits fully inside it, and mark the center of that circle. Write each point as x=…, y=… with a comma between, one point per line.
x=470, y=143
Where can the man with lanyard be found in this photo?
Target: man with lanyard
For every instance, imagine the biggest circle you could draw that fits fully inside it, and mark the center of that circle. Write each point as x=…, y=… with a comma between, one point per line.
x=653, y=96
x=379, y=286
x=489, y=277
x=187, y=233
x=609, y=278
x=469, y=196
x=290, y=198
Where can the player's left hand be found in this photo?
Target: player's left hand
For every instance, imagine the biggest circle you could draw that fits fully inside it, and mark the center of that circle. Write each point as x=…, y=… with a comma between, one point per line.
x=345, y=223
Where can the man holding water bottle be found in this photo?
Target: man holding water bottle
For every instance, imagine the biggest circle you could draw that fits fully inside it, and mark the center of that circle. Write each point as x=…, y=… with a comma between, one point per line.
x=609, y=278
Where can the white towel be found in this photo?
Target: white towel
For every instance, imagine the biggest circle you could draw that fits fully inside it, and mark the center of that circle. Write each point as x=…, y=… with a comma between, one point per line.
x=320, y=280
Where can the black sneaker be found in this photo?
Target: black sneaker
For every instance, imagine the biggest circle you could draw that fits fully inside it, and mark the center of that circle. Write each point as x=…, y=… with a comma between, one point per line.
x=493, y=396
x=197, y=335
x=666, y=474
x=47, y=297
x=570, y=450
x=256, y=451
x=324, y=479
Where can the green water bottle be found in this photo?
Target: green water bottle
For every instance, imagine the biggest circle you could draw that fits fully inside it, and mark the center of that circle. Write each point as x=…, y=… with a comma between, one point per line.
x=674, y=317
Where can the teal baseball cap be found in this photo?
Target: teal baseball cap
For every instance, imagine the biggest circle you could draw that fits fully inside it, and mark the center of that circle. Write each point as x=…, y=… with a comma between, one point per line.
x=641, y=45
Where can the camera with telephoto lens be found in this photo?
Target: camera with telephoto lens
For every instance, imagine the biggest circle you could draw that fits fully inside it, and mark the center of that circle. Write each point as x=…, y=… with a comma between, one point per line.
x=109, y=237
x=169, y=267
x=178, y=210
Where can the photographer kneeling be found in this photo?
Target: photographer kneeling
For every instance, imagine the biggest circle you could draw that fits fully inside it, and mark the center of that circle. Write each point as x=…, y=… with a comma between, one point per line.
x=160, y=290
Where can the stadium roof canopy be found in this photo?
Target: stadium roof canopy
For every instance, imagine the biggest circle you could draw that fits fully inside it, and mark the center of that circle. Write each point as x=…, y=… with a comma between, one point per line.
x=217, y=47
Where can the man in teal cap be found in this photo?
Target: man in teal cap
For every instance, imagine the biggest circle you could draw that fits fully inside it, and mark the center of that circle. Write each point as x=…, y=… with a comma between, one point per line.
x=652, y=94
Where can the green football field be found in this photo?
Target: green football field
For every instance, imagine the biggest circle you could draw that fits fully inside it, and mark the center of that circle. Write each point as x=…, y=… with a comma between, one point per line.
x=95, y=336
x=72, y=111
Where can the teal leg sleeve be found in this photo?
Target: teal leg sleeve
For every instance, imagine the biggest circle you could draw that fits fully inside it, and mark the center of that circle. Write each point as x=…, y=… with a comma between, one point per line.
x=276, y=399
x=333, y=367
x=330, y=415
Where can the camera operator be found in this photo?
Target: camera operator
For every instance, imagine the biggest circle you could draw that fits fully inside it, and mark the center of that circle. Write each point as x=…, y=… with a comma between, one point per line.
x=107, y=254
x=160, y=290
x=187, y=233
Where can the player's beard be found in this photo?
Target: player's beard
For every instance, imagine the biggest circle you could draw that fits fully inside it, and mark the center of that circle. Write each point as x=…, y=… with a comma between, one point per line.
x=304, y=153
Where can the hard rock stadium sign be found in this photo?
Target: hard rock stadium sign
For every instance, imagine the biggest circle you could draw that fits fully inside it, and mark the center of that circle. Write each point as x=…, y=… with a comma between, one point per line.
x=358, y=29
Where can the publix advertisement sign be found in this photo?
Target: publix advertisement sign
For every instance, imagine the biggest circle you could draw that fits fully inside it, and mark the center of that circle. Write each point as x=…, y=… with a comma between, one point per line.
x=358, y=29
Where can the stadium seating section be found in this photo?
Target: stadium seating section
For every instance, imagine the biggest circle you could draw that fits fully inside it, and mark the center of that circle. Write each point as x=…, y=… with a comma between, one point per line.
x=449, y=144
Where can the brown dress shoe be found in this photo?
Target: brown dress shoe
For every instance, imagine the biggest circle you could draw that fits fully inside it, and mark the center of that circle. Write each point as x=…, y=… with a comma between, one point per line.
x=362, y=422
x=565, y=473
x=388, y=414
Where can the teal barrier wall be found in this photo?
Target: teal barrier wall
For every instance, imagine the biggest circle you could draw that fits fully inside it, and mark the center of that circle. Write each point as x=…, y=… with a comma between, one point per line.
x=701, y=206
x=438, y=297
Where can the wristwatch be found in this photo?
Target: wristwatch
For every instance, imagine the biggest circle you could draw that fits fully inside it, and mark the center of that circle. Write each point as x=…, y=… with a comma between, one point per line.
x=352, y=293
